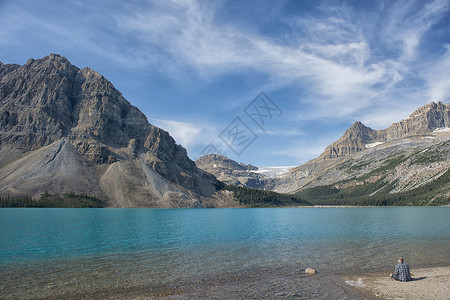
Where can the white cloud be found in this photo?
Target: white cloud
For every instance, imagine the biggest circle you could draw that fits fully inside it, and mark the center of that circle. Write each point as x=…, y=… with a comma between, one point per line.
x=405, y=24
x=382, y=117
x=337, y=70
x=438, y=80
x=329, y=55
x=184, y=133
x=194, y=136
x=301, y=152
x=346, y=64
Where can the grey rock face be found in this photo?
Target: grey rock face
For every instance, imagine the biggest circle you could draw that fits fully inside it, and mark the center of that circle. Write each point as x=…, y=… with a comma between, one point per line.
x=422, y=121
x=353, y=140
x=407, y=155
x=406, y=163
x=49, y=98
x=422, y=154
x=230, y=171
x=48, y=102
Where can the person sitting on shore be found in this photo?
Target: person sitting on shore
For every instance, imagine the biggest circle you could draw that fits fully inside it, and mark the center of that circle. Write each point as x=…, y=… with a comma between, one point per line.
x=401, y=271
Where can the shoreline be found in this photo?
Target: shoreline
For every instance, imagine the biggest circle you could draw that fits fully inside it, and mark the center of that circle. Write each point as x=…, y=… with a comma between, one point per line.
x=427, y=283
x=353, y=206
x=238, y=207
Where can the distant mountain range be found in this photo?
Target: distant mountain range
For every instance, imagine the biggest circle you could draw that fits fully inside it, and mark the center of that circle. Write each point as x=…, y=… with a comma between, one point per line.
x=408, y=160
x=68, y=130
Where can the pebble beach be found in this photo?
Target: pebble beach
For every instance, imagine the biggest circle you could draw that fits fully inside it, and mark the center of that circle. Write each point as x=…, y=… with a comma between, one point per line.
x=427, y=283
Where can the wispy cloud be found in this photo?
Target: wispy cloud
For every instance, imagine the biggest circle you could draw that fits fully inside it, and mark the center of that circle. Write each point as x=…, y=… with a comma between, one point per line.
x=350, y=68
x=406, y=22
x=331, y=55
x=336, y=54
x=372, y=62
x=192, y=41
x=302, y=152
x=438, y=81
x=196, y=136
x=281, y=132
x=185, y=133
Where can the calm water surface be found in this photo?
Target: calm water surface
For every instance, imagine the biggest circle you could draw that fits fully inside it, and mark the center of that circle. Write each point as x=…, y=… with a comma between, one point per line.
x=211, y=253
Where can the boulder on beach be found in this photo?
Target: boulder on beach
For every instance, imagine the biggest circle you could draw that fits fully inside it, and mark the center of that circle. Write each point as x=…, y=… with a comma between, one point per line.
x=310, y=271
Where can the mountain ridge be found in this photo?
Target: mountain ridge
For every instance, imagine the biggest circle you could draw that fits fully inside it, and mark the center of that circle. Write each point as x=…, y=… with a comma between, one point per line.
x=65, y=129
x=403, y=157
x=230, y=171
x=64, y=123
x=423, y=120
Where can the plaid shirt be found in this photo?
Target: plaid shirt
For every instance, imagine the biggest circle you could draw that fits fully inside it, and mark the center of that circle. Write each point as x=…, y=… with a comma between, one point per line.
x=402, y=271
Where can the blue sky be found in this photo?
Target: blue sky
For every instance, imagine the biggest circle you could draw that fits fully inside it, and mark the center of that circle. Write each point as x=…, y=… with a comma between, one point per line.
x=193, y=67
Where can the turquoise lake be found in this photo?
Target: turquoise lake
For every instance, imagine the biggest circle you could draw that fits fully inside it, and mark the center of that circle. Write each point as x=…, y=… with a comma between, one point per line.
x=212, y=253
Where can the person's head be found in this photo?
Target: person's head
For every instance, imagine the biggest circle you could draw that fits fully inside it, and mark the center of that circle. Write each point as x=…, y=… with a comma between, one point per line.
x=400, y=260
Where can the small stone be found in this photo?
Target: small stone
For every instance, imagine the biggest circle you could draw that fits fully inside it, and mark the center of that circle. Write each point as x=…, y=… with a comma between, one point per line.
x=310, y=271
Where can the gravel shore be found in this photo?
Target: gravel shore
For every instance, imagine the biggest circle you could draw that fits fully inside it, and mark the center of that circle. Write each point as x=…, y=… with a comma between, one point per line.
x=428, y=283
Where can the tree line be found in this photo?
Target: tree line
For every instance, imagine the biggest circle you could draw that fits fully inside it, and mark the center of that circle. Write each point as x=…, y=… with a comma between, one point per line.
x=377, y=194
x=260, y=198
x=46, y=200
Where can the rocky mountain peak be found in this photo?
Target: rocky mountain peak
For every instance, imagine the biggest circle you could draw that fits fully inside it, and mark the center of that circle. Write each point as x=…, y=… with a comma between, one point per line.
x=353, y=140
x=48, y=100
x=358, y=129
x=220, y=161
x=430, y=107
x=230, y=171
x=51, y=64
x=423, y=120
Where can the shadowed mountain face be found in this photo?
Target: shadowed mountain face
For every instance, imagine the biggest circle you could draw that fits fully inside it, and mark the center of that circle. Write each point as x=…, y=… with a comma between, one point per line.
x=65, y=129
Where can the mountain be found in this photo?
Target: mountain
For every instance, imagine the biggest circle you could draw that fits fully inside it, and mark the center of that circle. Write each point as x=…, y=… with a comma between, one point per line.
x=399, y=160
x=409, y=159
x=65, y=129
x=68, y=130
x=235, y=173
x=353, y=141
x=359, y=137
x=230, y=171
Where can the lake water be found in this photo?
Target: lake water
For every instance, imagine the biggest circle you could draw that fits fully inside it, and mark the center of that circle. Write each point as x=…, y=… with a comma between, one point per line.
x=211, y=253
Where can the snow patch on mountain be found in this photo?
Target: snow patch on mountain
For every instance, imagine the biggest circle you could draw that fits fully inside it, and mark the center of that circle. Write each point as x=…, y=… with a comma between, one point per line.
x=272, y=172
x=371, y=145
x=443, y=129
